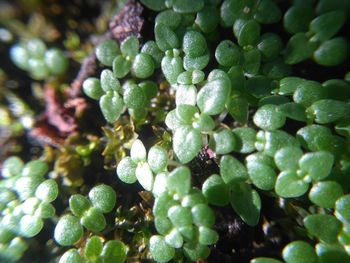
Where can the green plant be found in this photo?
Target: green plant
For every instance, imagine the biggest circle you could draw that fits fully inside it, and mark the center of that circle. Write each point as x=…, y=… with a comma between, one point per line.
x=216, y=114
x=33, y=56
x=25, y=201
x=89, y=214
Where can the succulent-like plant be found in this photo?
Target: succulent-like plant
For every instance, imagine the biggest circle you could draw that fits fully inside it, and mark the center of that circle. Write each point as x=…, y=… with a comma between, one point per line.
x=221, y=112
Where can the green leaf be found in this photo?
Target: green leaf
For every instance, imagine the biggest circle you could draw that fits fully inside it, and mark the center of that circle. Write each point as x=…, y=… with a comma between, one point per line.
x=106, y=51
x=160, y=184
x=103, y=197
x=293, y=111
x=327, y=111
x=259, y=86
x=246, y=203
x=247, y=32
x=187, y=142
x=30, y=205
x=109, y=81
x=68, y=230
x=203, y=123
x=93, y=248
x=92, y=88
x=276, y=69
x=12, y=166
x=149, y=88
x=162, y=225
x=298, y=17
x=78, y=204
x=194, y=197
x=189, y=233
x=212, y=96
x=325, y=193
x=231, y=10
x=288, y=85
x=162, y=204
x=145, y=176
x=45, y=210
x=195, y=251
x=56, y=61
x=252, y=61
x=180, y=216
x=26, y=186
x=169, y=18
x=267, y=12
x=172, y=67
x=207, y=19
x=246, y=139
x=143, y=66
x=194, y=44
x=203, y=215
x=134, y=97
x=157, y=159
x=232, y=170
x=172, y=121
x=179, y=181
x=184, y=6
x=216, y=191
x=121, y=66
x=47, y=191
x=227, y=53
x=327, y=25
x=71, y=256
x=331, y=253
x=342, y=211
x=36, y=168
x=270, y=45
x=196, y=63
x=174, y=238
x=191, y=77
x=207, y=236
x=114, y=251
x=152, y=49
x=165, y=37
x=93, y=219
x=262, y=176
x=138, y=151
x=185, y=113
x=126, y=170
x=271, y=141
x=155, y=5
x=287, y=158
x=289, y=185
x=30, y=226
x=160, y=250
x=38, y=69
x=186, y=94
x=112, y=106
x=36, y=48
x=309, y=92
x=317, y=165
x=268, y=117
x=19, y=56
x=324, y=227
x=238, y=107
x=130, y=47
x=314, y=137
x=299, y=252
x=299, y=48
x=223, y=141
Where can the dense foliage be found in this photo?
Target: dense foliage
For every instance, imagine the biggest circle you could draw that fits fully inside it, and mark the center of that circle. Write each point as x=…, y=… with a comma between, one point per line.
x=215, y=110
